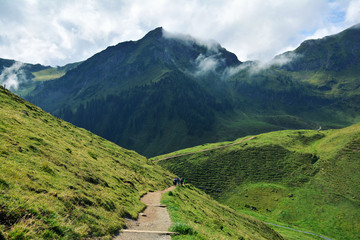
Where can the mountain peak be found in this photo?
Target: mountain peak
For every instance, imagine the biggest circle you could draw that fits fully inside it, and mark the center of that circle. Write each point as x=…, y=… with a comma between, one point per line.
x=356, y=26
x=156, y=33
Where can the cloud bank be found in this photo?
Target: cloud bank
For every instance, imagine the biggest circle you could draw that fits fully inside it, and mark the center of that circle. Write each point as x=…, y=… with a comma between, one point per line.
x=60, y=32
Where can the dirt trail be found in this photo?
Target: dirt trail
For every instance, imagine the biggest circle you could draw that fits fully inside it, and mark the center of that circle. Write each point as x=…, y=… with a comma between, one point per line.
x=204, y=150
x=152, y=224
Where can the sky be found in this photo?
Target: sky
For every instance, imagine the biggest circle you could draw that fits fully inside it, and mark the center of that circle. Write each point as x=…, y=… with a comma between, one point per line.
x=58, y=32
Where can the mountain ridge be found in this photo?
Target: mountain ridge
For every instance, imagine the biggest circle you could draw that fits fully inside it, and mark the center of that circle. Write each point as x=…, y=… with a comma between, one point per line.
x=334, y=52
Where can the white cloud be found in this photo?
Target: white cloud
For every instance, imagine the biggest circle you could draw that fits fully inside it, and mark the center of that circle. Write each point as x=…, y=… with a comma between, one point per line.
x=12, y=76
x=205, y=64
x=211, y=45
x=353, y=12
x=59, y=32
x=343, y=14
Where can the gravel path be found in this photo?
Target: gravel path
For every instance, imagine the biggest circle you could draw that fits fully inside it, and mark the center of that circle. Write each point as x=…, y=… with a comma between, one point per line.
x=152, y=224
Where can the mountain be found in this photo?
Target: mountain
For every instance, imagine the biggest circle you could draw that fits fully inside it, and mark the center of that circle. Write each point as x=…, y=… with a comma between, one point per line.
x=317, y=84
x=58, y=181
x=158, y=91
x=170, y=91
x=133, y=64
x=331, y=53
x=330, y=66
x=303, y=178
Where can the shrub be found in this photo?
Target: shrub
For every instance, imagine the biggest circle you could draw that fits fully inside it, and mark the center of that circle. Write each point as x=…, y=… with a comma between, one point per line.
x=93, y=155
x=182, y=228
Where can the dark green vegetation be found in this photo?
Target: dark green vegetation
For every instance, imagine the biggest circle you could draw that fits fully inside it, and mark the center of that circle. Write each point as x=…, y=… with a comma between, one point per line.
x=301, y=178
x=197, y=216
x=58, y=181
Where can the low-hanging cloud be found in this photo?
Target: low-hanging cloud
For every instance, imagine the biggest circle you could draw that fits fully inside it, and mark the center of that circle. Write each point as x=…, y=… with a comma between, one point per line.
x=254, y=67
x=211, y=45
x=12, y=76
x=205, y=64
x=277, y=61
x=231, y=71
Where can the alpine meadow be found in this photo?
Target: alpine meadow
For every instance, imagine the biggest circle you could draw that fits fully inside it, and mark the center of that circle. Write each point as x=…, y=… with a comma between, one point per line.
x=267, y=151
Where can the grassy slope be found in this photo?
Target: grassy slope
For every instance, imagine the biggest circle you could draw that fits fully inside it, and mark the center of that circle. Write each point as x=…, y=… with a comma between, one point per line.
x=60, y=181
x=197, y=216
x=54, y=72
x=301, y=178
x=48, y=74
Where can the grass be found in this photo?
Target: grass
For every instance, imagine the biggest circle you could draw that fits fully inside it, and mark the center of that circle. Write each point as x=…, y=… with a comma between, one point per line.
x=48, y=74
x=53, y=72
x=58, y=181
x=196, y=215
x=300, y=178
x=295, y=235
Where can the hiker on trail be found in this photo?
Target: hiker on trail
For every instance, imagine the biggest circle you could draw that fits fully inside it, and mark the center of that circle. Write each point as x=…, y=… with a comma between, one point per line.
x=182, y=181
x=175, y=181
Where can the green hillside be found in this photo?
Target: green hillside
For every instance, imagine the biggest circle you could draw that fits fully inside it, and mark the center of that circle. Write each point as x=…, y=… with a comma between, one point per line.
x=197, y=216
x=53, y=72
x=301, y=178
x=58, y=181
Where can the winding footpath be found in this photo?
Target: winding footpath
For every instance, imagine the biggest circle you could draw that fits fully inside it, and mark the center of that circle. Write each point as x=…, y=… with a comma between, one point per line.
x=152, y=224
